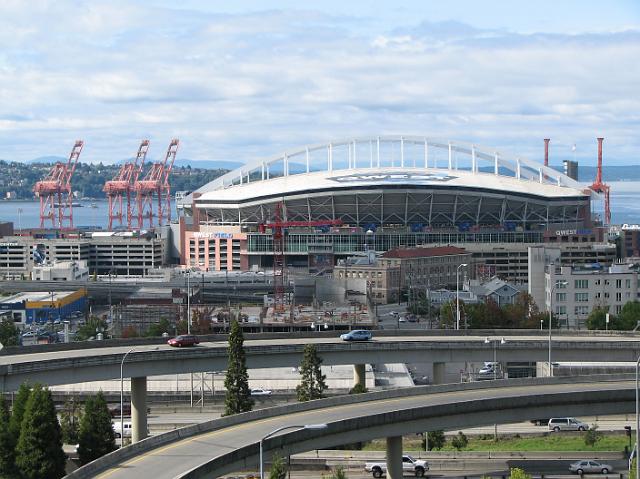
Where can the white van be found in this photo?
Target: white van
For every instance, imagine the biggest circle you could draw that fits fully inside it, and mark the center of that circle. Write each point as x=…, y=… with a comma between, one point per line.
x=558, y=424
x=126, y=430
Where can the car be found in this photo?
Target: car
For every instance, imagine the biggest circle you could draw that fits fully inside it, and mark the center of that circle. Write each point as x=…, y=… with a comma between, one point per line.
x=260, y=392
x=590, y=466
x=114, y=410
x=357, y=335
x=393, y=313
x=402, y=319
x=184, y=340
x=558, y=424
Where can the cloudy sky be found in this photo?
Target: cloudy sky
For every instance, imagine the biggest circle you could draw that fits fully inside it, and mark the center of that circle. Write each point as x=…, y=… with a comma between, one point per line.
x=247, y=79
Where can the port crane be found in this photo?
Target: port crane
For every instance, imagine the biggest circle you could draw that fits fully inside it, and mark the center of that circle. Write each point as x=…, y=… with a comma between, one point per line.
x=120, y=187
x=54, y=191
x=153, y=187
x=279, y=264
x=601, y=187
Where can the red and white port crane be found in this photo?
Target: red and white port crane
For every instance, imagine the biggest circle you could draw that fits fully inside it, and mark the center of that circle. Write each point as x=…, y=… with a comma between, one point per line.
x=153, y=188
x=120, y=187
x=279, y=264
x=601, y=187
x=54, y=191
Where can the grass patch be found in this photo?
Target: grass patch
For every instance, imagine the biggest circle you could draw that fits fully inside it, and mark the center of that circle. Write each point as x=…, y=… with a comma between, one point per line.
x=551, y=442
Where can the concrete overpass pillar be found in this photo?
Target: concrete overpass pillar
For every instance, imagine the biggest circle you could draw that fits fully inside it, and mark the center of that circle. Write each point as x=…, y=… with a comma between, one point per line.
x=438, y=373
x=359, y=375
x=394, y=457
x=139, y=429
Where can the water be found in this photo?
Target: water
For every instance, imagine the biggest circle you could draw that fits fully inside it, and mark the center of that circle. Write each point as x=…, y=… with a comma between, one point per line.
x=625, y=208
x=26, y=214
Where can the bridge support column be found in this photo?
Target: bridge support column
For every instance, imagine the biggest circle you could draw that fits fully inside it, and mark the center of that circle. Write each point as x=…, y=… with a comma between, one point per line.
x=359, y=375
x=139, y=429
x=394, y=457
x=438, y=373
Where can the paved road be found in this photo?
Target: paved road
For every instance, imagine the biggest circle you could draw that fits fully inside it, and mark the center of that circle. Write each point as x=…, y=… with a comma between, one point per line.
x=171, y=460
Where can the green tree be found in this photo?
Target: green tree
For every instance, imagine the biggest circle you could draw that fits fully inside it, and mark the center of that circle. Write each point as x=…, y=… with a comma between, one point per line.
x=278, y=468
x=358, y=389
x=313, y=383
x=39, y=453
x=628, y=317
x=158, y=329
x=89, y=329
x=7, y=443
x=460, y=441
x=9, y=334
x=592, y=435
x=17, y=412
x=238, y=397
x=336, y=473
x=97, y=436
x=437, y=440
x=517, y=473
x=597, y=318
x=70, y=420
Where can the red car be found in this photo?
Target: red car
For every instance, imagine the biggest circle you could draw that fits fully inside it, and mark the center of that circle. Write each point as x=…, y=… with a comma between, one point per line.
x=183, y=340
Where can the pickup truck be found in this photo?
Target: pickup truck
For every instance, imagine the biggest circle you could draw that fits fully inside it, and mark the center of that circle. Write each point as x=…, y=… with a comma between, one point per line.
x=416, y=466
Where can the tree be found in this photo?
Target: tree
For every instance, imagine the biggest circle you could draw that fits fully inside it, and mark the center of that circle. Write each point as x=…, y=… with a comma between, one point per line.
x=89, y=329
x=358, y=389
x=437, y=440
x=96, y=437
x=9, y=334
x=70, y=420
x=597, y=318
x=278, y=468
x=517, y=473
x=313, y=381
x=238, y=397
x=158, y=329
x=7, y=444
x=592, y=435
x=460, y=441
x=39, y=451
x=337, y=473
x=17, y=413
x=628, y=317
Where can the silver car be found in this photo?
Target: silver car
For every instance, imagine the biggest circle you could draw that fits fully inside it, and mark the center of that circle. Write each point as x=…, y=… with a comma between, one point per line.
x=590, y=467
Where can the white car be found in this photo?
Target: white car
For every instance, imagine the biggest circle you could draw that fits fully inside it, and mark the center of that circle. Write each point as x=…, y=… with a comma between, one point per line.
x=590, y=466
x=260, y=392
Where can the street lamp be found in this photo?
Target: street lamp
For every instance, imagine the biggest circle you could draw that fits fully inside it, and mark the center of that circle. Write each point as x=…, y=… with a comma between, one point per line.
x=188, y=274
x=458, y=294
x=122, y=396
x=553, y=288
x=637, y=421
x=305, y=426
x=495, y=352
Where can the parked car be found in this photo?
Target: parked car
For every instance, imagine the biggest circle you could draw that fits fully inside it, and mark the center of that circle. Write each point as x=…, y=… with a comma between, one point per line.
x=260, y=392
x=590, y=466
x=409, y=464
x=558, y=424
x=357, y=335
x=114, y=410
x=183, y=340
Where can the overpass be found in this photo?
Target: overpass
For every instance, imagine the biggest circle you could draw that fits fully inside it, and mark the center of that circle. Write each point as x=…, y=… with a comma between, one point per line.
x=232, y=443
x=67, y=364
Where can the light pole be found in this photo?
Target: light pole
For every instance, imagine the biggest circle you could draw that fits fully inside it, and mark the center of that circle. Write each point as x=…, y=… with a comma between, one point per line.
x=637, y=421
x=458, y=294
x=305, y=426
x=110, y=303
x=553, y=288
x=188, y=302
x=122, y=396
x=495, y=353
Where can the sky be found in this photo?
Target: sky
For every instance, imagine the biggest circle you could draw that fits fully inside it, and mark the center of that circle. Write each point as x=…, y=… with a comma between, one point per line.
x=251, y=79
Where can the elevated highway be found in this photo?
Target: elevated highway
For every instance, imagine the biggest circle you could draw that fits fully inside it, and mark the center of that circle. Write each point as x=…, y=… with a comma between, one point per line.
x=232, y=443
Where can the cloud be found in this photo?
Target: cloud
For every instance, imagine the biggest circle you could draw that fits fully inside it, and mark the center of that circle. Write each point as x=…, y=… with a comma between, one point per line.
x=245, y=85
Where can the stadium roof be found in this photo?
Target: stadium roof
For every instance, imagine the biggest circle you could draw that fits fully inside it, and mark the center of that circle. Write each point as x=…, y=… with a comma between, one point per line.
x=403, y=253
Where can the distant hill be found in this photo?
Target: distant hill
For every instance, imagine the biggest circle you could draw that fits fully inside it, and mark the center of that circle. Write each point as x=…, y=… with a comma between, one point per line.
x=47, y=160
x=204, y=164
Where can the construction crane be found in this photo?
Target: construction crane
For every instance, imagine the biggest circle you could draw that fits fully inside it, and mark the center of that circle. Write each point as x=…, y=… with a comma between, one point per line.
x=121, y=186
x=279, y=264
x=54, y=191
x=600, y=187
x=166, y=186
x=152, y=187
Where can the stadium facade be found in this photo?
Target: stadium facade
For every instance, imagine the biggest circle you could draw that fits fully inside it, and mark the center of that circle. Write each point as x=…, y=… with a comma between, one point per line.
x=389, y=192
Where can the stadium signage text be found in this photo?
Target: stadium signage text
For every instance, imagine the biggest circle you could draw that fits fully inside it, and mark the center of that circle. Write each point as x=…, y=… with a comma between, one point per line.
x=393, y=177
x=572, y=232
x=200, y=234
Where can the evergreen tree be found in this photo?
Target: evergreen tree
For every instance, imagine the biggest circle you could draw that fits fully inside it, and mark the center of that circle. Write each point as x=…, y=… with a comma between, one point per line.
x=7, y=444
x=517, y=473
x=436, y=440
x=96, y=437
x=39, y=453
x=9, y=334
x=460, y=441
x=17, y=412
x=313, y=381
x=70, y=421
x=238, y=397
x=278, y=468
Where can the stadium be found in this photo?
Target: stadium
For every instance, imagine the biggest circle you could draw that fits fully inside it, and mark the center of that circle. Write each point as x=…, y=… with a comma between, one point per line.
x=389, y=192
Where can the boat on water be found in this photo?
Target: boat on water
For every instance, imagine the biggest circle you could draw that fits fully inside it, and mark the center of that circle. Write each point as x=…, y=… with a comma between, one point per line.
x=93, y=205
x=74, y=204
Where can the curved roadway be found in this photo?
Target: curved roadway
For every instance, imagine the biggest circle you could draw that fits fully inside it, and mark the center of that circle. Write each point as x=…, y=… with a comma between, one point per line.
x=223, y=449
x=101, y=363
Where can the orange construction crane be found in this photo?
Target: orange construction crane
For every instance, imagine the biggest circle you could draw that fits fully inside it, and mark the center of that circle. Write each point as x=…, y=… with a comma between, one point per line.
x=600, y=187
x=154, y=184
x=122, y=185
x=279, y=263
x=54, y=191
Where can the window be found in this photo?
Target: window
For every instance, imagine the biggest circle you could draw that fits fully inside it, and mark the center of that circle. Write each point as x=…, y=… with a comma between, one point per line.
x=561, y=296
x=560, y=284
x=618, y=296
x=582, y=297
x=618, y=283
x=581, y=283
x=561, y=310
x=581, y=310
x=627, y=283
